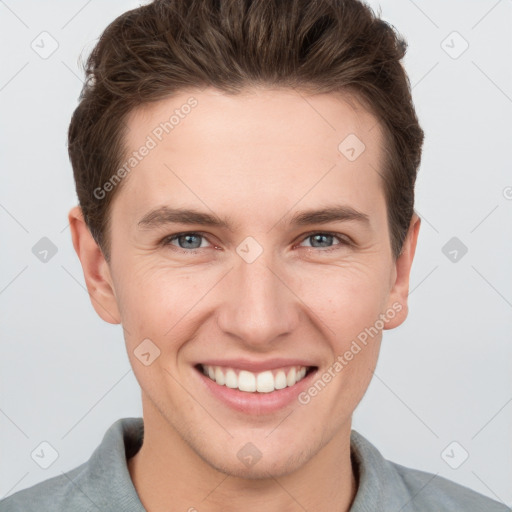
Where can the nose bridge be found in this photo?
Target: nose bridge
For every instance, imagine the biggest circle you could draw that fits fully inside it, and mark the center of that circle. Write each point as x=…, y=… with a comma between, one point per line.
x=259, y=307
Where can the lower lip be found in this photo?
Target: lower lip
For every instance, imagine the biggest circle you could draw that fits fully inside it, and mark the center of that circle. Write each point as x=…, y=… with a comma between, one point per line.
x=256, y=403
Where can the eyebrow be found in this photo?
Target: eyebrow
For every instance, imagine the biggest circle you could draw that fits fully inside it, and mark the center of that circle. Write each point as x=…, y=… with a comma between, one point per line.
x=167, y=215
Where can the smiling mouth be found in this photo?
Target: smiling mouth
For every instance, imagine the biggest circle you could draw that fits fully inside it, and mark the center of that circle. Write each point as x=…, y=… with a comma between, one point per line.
x=251, y=382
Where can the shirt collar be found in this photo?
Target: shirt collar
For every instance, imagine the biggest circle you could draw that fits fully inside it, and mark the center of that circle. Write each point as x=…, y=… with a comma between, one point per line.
x=108, y=475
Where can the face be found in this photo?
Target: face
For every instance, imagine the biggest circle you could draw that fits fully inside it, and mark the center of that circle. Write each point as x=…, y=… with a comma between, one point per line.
x=254, y=287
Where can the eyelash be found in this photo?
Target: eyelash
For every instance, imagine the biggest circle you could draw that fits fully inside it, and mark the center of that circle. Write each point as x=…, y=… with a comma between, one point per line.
x=344, y=241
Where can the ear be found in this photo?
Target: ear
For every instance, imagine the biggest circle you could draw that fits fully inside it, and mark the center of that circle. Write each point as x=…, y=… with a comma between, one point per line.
x=400, y=286
x=96, y=270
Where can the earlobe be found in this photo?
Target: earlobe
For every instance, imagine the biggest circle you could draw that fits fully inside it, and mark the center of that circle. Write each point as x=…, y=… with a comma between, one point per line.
x=400, y=288
x=96, y=270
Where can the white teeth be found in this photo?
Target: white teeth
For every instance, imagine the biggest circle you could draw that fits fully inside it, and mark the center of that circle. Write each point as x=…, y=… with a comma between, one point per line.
x=246, y=381
x=280, y=380
x=263, y=382
x=219, y=376
x=292, y=375
x=231, y=381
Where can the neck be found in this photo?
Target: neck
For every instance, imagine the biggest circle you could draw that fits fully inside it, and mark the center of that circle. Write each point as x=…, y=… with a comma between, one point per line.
x=167, y=471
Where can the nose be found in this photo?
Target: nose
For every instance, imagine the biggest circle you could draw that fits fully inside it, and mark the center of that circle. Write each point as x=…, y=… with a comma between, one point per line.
x=259, y=305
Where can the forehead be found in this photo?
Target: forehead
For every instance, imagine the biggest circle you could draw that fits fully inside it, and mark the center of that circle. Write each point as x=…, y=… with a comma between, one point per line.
x=252, y=150
x=253, y=116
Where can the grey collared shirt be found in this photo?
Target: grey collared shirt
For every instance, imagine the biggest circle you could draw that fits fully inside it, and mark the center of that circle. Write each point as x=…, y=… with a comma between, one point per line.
x=103, y=483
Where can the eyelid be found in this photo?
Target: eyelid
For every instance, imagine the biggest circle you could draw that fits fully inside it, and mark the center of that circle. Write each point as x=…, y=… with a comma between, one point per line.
x=169, y=238
x=342, y=238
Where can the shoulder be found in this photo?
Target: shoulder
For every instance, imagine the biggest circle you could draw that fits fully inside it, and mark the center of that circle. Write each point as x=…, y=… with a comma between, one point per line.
x=428, y=491
x=388, y=486
x=101, y=483
x=55, y=494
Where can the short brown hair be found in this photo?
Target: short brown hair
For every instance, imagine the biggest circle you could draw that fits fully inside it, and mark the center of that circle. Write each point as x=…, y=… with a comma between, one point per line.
x=316, y=46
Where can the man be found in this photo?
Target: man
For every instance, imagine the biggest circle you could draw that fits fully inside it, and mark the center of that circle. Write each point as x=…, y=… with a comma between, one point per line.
x=245, y=172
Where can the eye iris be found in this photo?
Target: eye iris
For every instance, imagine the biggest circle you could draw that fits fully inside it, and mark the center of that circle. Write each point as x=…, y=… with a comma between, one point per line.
x=324, y=240
x=189, y=239
x=322, y=236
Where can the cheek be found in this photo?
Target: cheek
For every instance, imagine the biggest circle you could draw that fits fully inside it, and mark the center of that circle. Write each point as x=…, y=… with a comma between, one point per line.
x=159, y=302
x=157, y=305
x=347, y=298
x=152, y=298
x=349, y=302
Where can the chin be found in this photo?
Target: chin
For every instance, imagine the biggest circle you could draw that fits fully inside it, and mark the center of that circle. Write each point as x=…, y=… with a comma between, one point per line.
x=251, y=464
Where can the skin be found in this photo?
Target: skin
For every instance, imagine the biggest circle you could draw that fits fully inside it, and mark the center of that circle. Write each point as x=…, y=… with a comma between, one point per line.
x=256, y=159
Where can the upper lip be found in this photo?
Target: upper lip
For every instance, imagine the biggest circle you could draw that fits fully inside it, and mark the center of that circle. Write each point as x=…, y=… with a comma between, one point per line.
x=256, y=366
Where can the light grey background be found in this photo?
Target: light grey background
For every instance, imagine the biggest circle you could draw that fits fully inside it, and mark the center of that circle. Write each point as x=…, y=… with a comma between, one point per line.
x=443, y=376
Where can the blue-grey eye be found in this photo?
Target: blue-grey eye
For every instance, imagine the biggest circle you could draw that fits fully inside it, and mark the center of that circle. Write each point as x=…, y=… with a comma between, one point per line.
x=321, y=240
x=187, y=240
